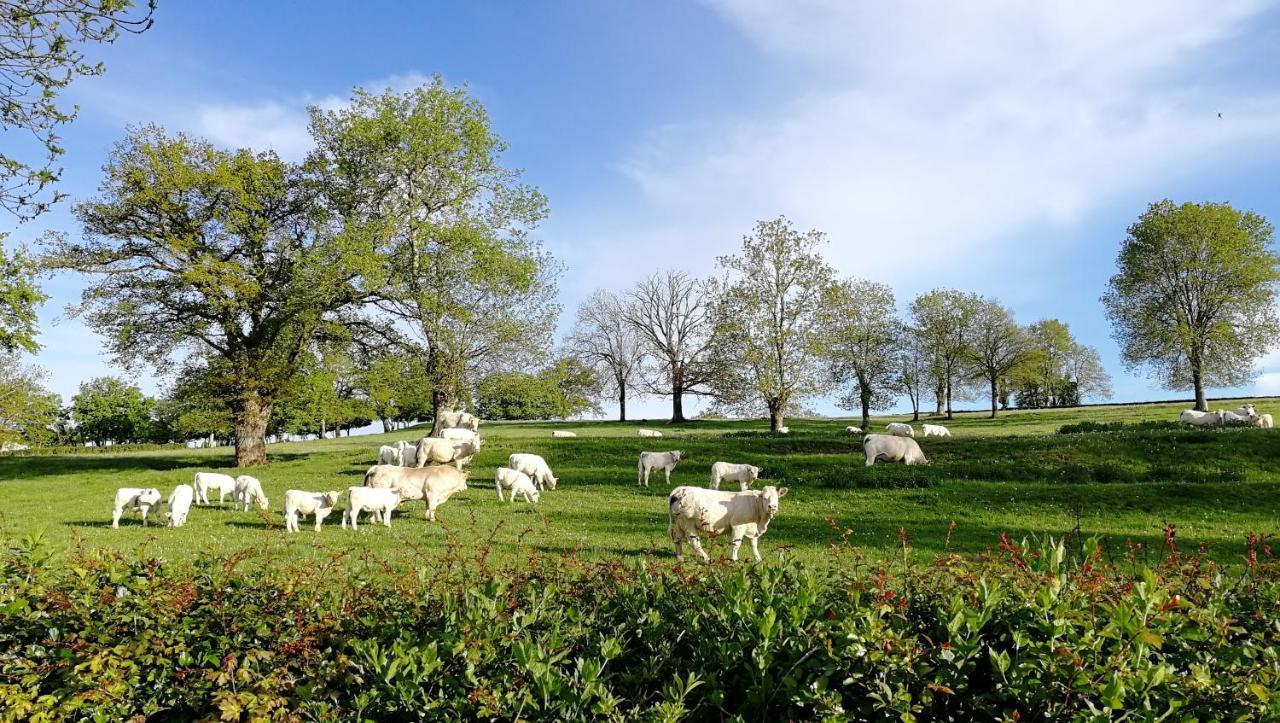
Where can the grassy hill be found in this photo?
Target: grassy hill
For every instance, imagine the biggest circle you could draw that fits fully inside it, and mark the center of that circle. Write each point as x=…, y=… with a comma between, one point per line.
x=1012, y=475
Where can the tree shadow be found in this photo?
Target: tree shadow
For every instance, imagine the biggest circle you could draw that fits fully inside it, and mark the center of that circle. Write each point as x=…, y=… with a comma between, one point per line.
x=54, y=465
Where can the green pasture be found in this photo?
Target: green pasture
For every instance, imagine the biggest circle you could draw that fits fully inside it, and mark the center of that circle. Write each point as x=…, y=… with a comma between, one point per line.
x=1011, y=475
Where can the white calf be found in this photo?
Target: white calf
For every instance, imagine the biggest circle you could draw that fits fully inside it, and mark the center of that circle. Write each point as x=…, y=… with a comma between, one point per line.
x=141, y=499
x=534, y=466
x=561, y=434
x=853, y=430
x=248, y=490
x=179, y=505
x=653, y=433
x=1263, y=421
x=898, y=429
x=935, y=430
x=369, y=499
x=1200, y=419
x=649, y=461
x=744, y=474
x=517, y=483
x=300, y=503
x=206, y=482
x=887, y=448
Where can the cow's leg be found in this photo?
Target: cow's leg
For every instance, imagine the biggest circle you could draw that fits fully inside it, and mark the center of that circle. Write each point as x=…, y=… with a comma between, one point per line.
x=144, y=509
x=115, y=517
x=668, y=471
x=290, y=520
x=755, y=547
x=354, y=514
x=386, y=516
x=737, y=542
x=697, y=547
x=500, y=497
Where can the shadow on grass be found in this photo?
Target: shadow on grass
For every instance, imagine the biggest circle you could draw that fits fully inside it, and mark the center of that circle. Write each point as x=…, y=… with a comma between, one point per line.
x=19, y=468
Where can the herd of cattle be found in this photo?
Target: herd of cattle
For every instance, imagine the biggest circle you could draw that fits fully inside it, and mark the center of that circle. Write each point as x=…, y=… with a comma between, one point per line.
x=431, y=470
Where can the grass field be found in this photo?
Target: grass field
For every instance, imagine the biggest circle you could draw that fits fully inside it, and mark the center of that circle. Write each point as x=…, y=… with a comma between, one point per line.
x=1011, y=475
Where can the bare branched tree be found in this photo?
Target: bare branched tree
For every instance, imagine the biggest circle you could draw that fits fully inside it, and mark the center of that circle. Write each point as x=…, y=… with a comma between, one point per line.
x=672, y=314
x=603, y=339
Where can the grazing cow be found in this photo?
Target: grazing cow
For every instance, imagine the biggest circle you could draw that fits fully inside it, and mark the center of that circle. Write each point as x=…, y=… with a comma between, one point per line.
x=1196, y=418
x=935, y=430
x=435, y=485
x=390, y=454
x=362, y=499
x=888, y=448
x=248, y=489
x=443, y=451
x=179, y=504
x=206, y=482
x=695, y=512
x=898, y=429
x=1263, y=421
x=300, y=503
x=515, y=482
x=649, y=461
x=853, y=430
x=561, y=434
x=534, y=466
x=652, y=433
x=141, y=499
x=744, y=474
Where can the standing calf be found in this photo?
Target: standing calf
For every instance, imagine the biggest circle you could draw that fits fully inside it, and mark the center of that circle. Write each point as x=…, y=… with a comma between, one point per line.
x=179, y=505
x=300, y=503
x=696, y=512
x=744, y=474
x=134, y=498
x=649, y=461
x=516, y=483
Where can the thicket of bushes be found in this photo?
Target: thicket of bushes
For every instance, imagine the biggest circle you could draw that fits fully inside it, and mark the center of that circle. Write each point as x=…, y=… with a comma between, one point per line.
x=1146, y=426
x=1047, y=631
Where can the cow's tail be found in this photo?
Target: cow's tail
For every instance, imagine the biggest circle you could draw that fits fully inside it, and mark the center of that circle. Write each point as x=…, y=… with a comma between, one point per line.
x=368, y=476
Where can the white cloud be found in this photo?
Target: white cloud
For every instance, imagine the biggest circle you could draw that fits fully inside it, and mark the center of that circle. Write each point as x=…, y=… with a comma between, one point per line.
x=945, y=128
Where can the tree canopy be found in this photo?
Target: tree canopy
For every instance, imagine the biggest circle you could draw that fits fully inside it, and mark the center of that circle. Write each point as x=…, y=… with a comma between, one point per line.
x=1193, y=299
x=109, y=409
x=861, y=336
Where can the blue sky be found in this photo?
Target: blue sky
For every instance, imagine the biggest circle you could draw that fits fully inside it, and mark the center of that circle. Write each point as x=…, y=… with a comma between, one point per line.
x=987, y=146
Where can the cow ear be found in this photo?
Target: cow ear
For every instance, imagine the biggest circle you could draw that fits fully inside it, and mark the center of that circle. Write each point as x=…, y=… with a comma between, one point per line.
x=782, y=491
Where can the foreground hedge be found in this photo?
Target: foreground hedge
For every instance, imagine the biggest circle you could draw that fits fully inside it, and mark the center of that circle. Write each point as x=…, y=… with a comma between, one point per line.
x=1024, y=633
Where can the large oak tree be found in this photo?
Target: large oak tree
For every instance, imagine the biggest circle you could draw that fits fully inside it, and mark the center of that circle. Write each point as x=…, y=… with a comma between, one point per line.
x=1194, y=296
x=226, y=258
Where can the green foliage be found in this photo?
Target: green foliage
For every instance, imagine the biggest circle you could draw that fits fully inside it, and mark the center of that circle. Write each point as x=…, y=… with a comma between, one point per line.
x=1085, y=427
x=27, y=409
x=1036, y=630
x=19, y=297
x=1193, y=299
x=41, y=52
x=943, y=321
x=861, y=342
x=769, y=321
x=517, y=395
x=109, y=409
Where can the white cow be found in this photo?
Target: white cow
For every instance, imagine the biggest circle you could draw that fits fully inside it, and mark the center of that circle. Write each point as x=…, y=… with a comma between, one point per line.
x=1263, y=421
x=784, y=429
x=534, y=466
x=248, y=490
x=935, y=430
x=853, y=430
x=1247, y=410
x=461, y=434
x=435, y=485
x=179, y=504
x=898, y=429
x=1234, y=418
x=459, y=419
x=206, y=482
x=1197, y=418
x=141, y=499
x=649, y=461
x=515, y=482
x=300, y=503
x=696, y=512
x=443, y=451
x=653, y=433
x=561, y=434
x=888, y=448
x=368, y=499
x=390, y=454
x=744, y=474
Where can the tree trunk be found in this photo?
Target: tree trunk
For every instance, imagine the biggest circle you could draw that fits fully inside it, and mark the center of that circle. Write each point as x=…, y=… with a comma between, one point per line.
x=439, y=400
x=677, y=395
x=251, y=432
x=949, y=413
x=622, y=403
x=940, y=395
x=994, y=397
x=777, y=412
x=866, y=407
x=1202, y=404
x=386, y=424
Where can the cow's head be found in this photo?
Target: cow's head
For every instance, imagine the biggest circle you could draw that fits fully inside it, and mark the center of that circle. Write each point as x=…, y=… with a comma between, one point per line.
x=551, y=482
x=769, y=497
x=331, y=498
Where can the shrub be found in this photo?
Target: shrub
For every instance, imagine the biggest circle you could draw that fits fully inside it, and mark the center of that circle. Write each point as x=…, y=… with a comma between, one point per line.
x=1145, y=426
x=1031, y=631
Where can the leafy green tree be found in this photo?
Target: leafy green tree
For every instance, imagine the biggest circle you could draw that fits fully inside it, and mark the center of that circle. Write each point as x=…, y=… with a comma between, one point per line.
x=27, y=409
x=227, y=255
x=1193, y=299
x=41, y=52
x=423, y=173
x=578, y=386
x=193, y=408
x=109, y=409
x=997, y=346
x=860, y=339
x=943, y=319
x=517, y=395
x=912, y=365
x=1058, y=371
x=768, y=320
x=19, y=297
x=395, y=386
x=672, y=313
x=603, y=339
